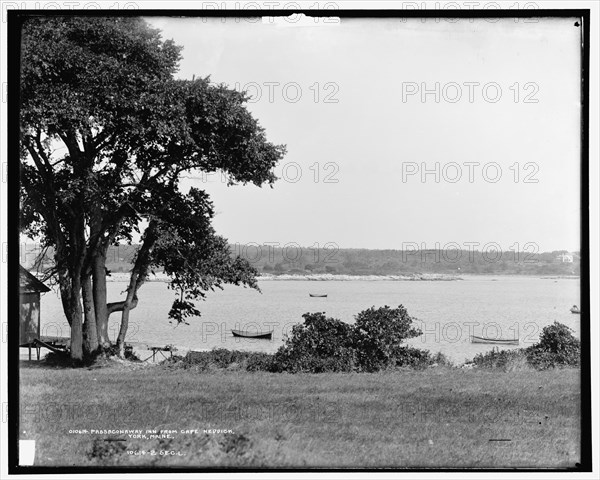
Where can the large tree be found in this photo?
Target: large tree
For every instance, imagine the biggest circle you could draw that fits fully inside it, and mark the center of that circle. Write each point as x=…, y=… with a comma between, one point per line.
x=106, y=133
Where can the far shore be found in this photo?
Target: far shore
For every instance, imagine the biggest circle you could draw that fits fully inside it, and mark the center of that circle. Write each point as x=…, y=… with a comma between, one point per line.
x=324, y=277
x=431, y=277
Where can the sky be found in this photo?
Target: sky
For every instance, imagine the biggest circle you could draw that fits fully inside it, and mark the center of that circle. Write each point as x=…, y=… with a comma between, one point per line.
x=401, y=132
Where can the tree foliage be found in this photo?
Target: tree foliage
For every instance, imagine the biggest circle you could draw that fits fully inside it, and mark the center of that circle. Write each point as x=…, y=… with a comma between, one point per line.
x=320, y=344
x=106, y=133
x=556, y=348
x=378, y=334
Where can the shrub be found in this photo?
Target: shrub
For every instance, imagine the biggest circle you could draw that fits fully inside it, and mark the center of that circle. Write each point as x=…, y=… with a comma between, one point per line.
x=320, y=344
x=129, y=354
x=324, y=344
x=61, y=359
x=259, y=361
x=557, y=348
x=405, y=356
x=173, y=361
x=378, y=334
x=200, y=361
x=221, y=358
x=503, y=359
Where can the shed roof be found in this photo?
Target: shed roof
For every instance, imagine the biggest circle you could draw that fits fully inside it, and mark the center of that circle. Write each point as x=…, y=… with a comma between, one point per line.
x=29, y=283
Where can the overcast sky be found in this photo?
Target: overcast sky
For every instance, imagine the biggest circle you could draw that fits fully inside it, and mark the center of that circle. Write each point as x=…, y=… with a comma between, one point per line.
x=346, y=99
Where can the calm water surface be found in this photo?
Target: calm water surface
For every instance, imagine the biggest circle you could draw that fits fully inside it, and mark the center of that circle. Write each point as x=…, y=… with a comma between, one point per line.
x=448, y=312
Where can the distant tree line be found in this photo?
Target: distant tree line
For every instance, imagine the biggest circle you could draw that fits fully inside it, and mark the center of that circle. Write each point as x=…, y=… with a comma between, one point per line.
x=399, y=262
x=268, y=259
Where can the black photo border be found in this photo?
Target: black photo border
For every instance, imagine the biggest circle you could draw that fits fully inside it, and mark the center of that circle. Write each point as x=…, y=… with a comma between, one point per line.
x=14, y=22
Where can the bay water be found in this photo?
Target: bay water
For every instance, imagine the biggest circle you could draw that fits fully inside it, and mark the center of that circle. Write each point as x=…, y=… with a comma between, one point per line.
x=448, y=312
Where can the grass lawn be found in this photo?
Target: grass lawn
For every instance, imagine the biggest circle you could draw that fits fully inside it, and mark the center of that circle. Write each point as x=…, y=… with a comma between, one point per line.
x=440, y=417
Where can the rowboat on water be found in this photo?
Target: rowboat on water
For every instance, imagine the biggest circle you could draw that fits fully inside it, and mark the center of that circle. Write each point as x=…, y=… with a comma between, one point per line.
x=315, y=295
x=495, y=341
x=575, y=309
x=253, y=334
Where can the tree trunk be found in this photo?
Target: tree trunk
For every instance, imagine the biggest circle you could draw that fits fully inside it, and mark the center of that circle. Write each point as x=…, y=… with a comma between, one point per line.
x=135, y=282
x=137, y=278
x=64, y=284
x=100, y=305
x=90, y=334
x=129, y=304
x=123, y=331
x=76, y=320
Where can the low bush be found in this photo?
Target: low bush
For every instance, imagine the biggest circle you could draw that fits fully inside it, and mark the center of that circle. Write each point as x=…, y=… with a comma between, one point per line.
x=377, y=337
x=501, y=359
x=320, y=344
x=324, y=344
x=259, y=361
x=221, y=358
x=556, y=348
x=405, y=356
x=62, y=360
x=374, y=342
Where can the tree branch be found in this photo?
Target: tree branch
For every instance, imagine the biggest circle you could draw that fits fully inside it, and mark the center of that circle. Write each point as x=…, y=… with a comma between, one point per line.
x=38, y=142
x=120, y=306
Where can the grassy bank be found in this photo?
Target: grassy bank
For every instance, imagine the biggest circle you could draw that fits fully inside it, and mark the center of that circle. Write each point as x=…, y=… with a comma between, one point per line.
x=439, y=417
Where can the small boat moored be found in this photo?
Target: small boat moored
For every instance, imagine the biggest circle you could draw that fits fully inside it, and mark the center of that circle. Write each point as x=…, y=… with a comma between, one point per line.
x=575, y=309
x=495, y=341
x=252, y=334
x=315, y=295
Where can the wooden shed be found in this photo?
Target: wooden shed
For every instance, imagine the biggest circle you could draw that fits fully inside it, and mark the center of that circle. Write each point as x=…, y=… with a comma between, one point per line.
x=29, y=296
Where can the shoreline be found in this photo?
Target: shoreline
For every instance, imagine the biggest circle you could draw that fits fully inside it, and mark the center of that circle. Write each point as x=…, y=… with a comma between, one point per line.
x=324, y=277
x=432, y=277
x=328, y=277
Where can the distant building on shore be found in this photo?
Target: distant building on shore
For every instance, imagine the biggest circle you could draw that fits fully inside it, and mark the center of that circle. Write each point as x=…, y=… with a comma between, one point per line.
x=564, y=258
